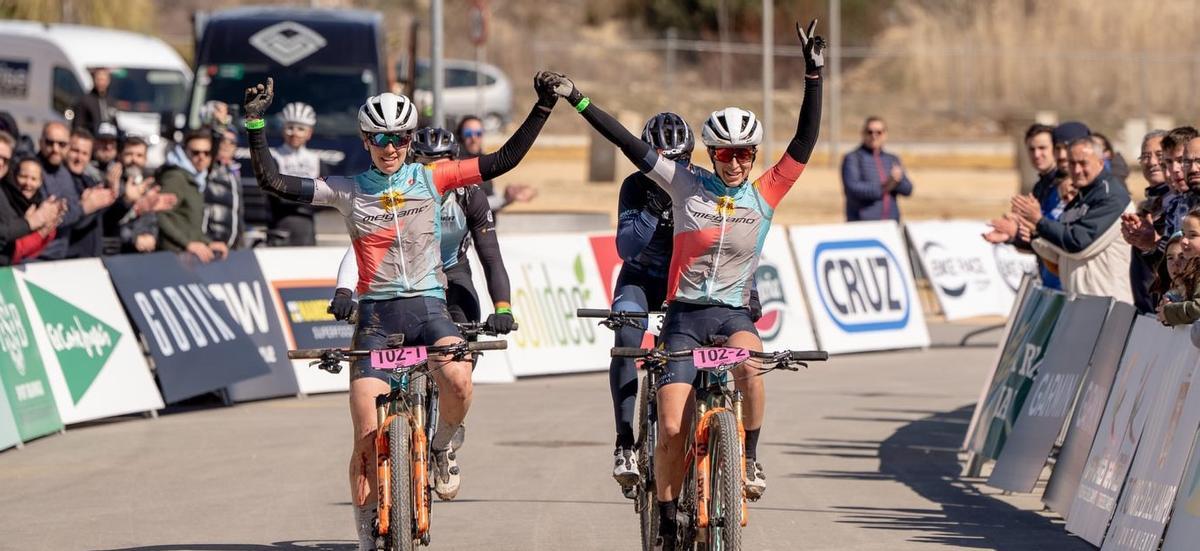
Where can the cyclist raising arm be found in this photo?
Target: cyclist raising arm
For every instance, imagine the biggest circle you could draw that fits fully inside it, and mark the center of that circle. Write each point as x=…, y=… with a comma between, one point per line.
x=720, y=226
x=391, y=213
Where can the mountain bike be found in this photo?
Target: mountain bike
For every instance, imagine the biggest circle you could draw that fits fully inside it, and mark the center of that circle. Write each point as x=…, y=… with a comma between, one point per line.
x=712, y=496
x=646, y=423
x=407, y=419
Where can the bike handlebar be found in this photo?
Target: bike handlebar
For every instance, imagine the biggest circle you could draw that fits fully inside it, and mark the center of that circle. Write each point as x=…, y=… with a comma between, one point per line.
x=795, y=356
x=317, y=353
x=605, y=314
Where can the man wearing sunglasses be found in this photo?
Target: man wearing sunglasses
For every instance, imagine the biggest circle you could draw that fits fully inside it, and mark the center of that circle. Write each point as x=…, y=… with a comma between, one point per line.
x=470, y=139
x=721, y=219
x=294, y=158
x=185, y=176
x=872, y=178
x=392, y=215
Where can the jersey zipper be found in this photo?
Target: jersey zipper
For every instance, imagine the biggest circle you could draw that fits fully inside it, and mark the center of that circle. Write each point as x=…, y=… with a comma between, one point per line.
x=400, y=245
x=720, y=245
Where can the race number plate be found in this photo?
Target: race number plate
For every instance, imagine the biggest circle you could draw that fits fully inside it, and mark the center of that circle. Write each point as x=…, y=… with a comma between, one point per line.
x=398, y=358
x=713, y=358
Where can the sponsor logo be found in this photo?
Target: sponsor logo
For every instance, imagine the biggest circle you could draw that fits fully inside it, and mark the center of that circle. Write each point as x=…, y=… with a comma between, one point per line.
x=726, y=206
x=391, y=201
x=308, y=317
x=861, y=285
x=774, y=302
x=1013, y=265
x=951, y=273
x=81, y=342
x=604, y=248
x=13, y=338
x=287, y=42
x=182, y=317
x=547, y=307
x=393, y=216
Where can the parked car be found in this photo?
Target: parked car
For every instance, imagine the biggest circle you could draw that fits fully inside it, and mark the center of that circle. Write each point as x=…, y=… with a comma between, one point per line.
x=45, y=68
x=492, y=102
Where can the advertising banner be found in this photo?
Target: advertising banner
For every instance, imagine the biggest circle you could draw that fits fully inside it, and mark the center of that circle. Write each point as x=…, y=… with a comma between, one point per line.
x=1089, y=407
x=1129, y=406
x=1007, y=340
x=25, y=383
x=1014, y=374
x=1056, y=382
x=860, y=285
x=238, y=284
x=9, y=436
x=1162, y=452
x=196, y=345
x=961, y=267
x=92, y=357
x=1184, y=529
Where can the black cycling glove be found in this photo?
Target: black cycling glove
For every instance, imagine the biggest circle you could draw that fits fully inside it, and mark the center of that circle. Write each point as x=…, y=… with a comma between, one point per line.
x=561, y=86
x=502, y=323
x=658, y=203
x=258, y=99
x=342, y=305
x=545, y=93
x=813, y=46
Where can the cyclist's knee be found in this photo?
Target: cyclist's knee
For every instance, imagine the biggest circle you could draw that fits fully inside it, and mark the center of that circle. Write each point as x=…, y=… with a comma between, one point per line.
x=457, y=377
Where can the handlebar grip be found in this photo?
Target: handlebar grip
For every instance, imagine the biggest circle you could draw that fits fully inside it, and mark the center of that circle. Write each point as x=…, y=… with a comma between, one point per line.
x=487, y=345
x=592, y=313
x=809, y=356
x=305, y=354
x=629, y=352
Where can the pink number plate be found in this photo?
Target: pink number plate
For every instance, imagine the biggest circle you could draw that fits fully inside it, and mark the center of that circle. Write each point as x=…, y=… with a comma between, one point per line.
x=712, y=358
x=398, y=358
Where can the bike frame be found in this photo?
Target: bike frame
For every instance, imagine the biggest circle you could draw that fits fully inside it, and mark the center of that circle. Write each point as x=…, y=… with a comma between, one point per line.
x=713, y=397
x=401, y=401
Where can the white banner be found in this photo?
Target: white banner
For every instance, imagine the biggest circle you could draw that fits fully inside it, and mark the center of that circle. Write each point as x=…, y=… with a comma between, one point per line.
x=785, y=324
x=1162, y=453
x=1129, y=406
x=91, y=354
x=860, y=285
x=963, y=268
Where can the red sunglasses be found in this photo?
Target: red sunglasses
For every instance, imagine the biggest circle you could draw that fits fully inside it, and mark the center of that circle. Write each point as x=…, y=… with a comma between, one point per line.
x=728, y=154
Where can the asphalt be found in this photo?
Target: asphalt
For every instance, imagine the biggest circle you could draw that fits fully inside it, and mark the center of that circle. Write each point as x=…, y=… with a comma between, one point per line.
x=860, y=455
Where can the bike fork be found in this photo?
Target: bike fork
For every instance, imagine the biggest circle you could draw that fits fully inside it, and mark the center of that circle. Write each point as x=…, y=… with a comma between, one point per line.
x=737, y=413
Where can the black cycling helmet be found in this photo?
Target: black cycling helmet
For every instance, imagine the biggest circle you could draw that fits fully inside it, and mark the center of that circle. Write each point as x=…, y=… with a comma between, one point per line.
x=671, y=135
x=431, y=143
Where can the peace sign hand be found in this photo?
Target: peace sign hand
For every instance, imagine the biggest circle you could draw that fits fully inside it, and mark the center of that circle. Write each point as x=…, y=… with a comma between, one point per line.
x=814, y=48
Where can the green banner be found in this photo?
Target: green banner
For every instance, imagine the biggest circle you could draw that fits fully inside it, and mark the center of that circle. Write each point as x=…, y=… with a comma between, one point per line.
x=81, y=342
x=8, y=426
x=21, y=368
x=1015, y=371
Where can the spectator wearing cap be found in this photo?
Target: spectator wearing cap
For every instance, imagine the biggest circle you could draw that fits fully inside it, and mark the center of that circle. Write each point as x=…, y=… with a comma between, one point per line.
x=1085, y=242
x=873, y=179
x=104, y=150
x=1140, y=229
x=92, y=108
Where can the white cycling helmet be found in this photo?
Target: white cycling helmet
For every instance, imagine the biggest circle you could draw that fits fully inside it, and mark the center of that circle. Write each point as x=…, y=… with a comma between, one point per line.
x=732, y=127
x=299, y=113
x=387, y=112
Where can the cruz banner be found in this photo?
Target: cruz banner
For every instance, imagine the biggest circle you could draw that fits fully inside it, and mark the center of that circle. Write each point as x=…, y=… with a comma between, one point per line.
x=1014, y=372
x=1129, y=406
x=963, y=268
x=196, y=346
x=21, y=370
x=238, y=284
x=1055, y=384
x=1064, y=479
x=1162, y=452
x=92, y=358
x=860, y=286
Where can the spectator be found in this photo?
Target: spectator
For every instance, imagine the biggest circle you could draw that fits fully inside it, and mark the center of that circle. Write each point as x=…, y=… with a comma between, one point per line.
x=470, y=138
x=1052, y=190
x=24, y=147
x=1139, y=230
x=85, y=237
x=137, y=229
x=104, y=151
x=1113, y=160
x=295, y=159
x=1085, y=242
x=873, y=179
x=1176, y=202
x=23, y=237
x=223, y=220
x=83, y=198
x=92, y=108
x=185, y=176
x=1181, y=305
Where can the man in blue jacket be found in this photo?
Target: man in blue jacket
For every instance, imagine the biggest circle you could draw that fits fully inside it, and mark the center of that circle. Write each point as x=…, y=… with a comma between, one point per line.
x=873, y=179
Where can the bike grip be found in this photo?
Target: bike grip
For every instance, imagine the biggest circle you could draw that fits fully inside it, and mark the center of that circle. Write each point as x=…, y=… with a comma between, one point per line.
x=628, y=352
x=809, y=356
x=480, y=346
x=592, y=313
x=305, y=354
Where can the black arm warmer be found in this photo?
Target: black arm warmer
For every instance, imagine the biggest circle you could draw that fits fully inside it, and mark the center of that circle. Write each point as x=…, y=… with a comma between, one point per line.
x=291, y=188
x=511, y=153
x=631, y=146
x=483, y=231
x=801, y=146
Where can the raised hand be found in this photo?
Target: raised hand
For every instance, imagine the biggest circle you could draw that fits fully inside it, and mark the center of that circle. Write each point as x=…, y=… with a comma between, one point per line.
x=96, y=198
x=561, y=85
x=545, y=92
x=258, y=99
x=813, y=46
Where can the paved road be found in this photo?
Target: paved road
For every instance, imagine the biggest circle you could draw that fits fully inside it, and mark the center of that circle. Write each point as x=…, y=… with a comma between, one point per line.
x=859, y=455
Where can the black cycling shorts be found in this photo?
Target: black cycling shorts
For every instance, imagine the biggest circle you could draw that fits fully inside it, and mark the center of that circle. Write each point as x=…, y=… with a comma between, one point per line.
x=693, y=325
x=423, y=320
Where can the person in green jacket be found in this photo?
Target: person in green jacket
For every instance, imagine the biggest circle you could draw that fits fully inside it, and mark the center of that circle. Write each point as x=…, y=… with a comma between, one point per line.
x=182, y=228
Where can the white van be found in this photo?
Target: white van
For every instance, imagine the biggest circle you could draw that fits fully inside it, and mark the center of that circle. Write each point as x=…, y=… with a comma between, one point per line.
x=44, y=69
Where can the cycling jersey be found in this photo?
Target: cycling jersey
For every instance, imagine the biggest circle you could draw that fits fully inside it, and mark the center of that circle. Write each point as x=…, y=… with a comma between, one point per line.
x=643, y=237
x=719, y=230
x=302, y=162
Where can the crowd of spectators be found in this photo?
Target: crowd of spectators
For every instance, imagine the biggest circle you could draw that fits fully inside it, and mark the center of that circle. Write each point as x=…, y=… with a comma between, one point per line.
x=1091, y=238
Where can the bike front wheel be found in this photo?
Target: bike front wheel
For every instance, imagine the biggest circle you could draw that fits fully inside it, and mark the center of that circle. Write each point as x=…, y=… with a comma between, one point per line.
x=400, y=515
x=725, y=483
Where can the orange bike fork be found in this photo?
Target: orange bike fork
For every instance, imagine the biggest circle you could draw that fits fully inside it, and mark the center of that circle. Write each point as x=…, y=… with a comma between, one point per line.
x=383, y=472
x=420, y=477
x=703, y=467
